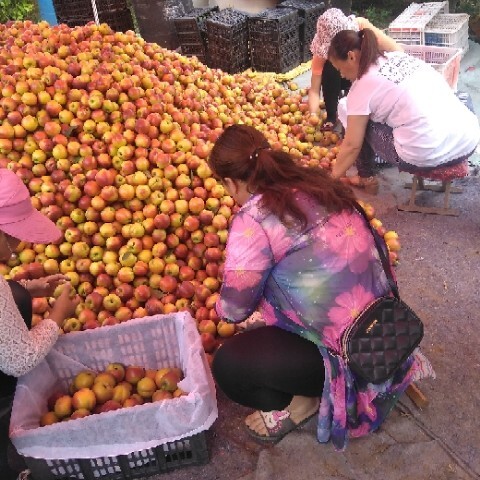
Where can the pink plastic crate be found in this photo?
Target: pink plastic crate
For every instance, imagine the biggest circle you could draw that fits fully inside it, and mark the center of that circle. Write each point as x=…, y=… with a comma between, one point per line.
x=445, y=60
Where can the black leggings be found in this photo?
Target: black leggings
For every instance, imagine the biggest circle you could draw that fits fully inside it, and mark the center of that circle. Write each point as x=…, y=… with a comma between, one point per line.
x=332, y=85
x=265, y=367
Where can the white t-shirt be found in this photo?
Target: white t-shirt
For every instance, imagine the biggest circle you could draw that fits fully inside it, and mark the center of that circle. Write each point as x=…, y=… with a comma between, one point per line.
x=431, y=126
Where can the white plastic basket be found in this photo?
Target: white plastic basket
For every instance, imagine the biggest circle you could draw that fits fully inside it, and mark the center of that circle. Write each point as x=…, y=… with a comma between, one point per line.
x=448, y=30
x=152, y=342
x=409, y=27
x=445, y=60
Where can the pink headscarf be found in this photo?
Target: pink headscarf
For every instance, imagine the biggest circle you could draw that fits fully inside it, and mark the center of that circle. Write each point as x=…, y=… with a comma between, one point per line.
x=329, y=24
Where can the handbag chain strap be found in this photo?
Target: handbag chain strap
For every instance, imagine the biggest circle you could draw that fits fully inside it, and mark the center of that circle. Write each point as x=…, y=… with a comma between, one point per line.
x=381, y=247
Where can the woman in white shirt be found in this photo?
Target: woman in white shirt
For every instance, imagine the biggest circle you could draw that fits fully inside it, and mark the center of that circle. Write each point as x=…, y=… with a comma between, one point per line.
x=21, y=349
x=400, y=109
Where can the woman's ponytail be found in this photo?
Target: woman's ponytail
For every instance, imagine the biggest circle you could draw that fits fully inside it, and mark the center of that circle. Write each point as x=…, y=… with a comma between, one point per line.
x=369, y=51
x=364, y=41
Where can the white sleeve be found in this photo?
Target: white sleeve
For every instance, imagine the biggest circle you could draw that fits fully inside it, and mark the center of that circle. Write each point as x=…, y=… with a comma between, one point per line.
x=21, y=349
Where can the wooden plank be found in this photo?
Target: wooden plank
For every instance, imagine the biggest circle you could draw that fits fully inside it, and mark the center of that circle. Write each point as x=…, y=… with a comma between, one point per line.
x=434, y=188
x=416, y=396
x=432, y=210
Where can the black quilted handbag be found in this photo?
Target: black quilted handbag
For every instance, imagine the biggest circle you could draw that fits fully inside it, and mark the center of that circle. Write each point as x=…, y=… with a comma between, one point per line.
x=384, y=335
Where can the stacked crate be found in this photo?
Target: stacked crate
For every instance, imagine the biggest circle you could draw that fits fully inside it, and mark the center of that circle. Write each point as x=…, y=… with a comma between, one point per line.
x=309, y=12
x=274, y=40
x=227, y=38
x=73, y=13
x=444, y=60
x=448, y=30
x=431, y=24
x=409, y=27
x=192, y=32
x=155, y=20
x=116, y=13
x=76, y=13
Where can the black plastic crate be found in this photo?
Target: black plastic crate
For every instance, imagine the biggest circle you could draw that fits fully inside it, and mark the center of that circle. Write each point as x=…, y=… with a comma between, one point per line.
x=305, y=53
x=228, y=62
x=308, y=11
x=119, y=20
x=271, y=24
x=276, y=57
x=72, y=12
x=190, y=49
x=186, y=452
x=194, y=20
x=287, y=40
x=75, y=21
x=227, y=24
x=109, y=5
x=190, y=37
x=227, y=40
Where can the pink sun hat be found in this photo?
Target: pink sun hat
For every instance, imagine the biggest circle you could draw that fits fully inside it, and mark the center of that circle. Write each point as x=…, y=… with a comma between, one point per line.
x=329, y=24
x=18, y=217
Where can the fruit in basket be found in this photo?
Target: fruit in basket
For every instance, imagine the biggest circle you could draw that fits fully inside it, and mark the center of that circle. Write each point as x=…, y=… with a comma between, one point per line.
x=178, y=393
x=103, y=391
x=105, y=377
x=169, y=381
x=48, y=419
x=80, y=413
x=134, y=373
x=108, y=406
x=160, y=395
x=84, y=379
x=53, y=398
x=146, y=386
x=117, y=370
x=159, y=375
x=63, y=406
x=84, y=398
x=122, y=391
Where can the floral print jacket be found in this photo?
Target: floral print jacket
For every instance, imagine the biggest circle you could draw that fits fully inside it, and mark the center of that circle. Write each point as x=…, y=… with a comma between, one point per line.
x=314, y=282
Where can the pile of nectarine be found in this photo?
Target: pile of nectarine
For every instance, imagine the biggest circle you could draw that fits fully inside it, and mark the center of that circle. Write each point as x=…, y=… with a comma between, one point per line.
x=111, y=136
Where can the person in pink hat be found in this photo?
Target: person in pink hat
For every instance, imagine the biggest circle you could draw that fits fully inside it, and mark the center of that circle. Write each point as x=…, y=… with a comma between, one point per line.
x=21, y=348
x=325, y=78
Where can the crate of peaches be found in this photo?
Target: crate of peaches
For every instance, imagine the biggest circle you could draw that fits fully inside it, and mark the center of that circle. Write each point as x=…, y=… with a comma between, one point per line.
x=129, y=401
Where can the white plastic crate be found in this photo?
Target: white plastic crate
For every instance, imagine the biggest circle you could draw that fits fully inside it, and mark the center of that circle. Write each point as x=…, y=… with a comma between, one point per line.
x=152, y=342
x=445, y=60
x=409, y=27
x=448, y=30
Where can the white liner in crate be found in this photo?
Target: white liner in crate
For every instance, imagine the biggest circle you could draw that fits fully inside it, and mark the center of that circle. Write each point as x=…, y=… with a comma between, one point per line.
x=445, y=60
x=152, y=342
x=449, y=30
x=409, y=26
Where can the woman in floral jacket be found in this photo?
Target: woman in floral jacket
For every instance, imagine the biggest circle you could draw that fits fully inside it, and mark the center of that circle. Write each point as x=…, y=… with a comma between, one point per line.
x=300, y=253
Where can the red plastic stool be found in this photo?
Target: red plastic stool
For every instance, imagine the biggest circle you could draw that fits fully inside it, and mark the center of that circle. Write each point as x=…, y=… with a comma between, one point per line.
x=443, y=174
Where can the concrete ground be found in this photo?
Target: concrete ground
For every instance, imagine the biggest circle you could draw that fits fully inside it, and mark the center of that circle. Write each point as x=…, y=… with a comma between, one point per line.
x=438, y=275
